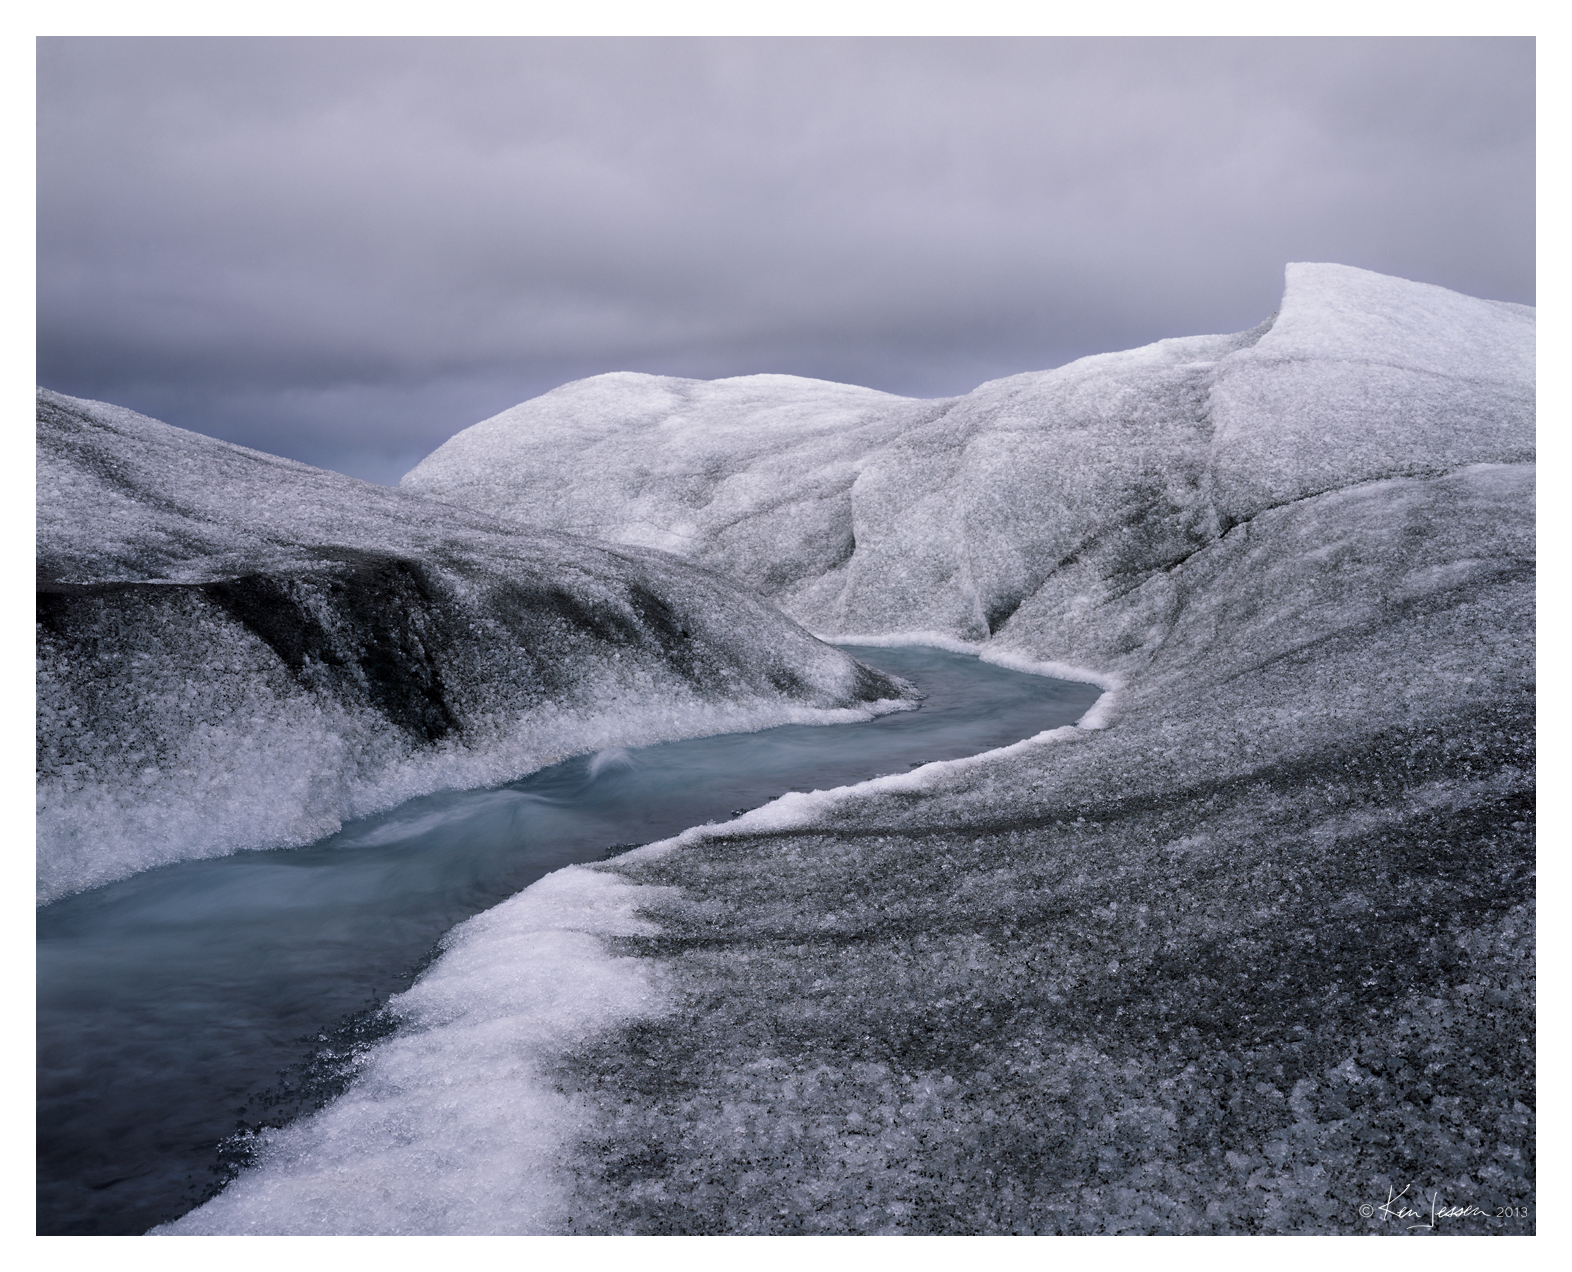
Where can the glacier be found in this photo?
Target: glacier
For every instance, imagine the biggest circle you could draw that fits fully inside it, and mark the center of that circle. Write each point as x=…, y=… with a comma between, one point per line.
x=238, y=651
x=1252, y=956
x=1040, y=514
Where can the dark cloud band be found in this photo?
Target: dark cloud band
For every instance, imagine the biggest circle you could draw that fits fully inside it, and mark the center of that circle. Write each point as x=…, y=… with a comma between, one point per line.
x=346, y=250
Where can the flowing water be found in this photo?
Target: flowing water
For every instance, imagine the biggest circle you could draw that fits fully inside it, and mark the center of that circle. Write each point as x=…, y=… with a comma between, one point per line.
x=190, y=1002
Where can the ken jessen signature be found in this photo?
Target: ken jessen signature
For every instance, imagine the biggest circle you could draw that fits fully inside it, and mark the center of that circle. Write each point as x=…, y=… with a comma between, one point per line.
x=1399, y=1206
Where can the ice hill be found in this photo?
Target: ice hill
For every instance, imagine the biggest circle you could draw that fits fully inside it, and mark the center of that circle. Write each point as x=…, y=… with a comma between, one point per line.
x=240, y=651
x=1045, y=513
x=1244, y=961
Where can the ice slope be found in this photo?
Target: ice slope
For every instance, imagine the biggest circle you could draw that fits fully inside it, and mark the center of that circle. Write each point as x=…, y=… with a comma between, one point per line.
x=1042, y=509
x=239, y=651
x=1256, y=956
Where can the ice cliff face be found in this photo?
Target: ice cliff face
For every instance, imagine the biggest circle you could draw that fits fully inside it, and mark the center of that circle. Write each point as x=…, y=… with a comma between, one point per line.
x=238, y=651
x=1254, y=957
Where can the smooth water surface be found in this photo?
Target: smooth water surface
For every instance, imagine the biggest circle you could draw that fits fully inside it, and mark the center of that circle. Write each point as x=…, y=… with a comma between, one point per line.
x=175, y=1007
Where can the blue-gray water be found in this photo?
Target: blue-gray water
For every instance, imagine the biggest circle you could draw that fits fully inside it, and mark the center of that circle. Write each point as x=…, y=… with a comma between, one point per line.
x=188, y=1002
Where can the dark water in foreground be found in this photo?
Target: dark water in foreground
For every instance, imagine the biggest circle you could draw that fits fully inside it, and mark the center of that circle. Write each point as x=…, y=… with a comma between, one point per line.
x=187, y=1002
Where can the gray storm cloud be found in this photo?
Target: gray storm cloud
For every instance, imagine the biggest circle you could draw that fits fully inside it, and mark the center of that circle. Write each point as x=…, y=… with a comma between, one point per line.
x=347, y=250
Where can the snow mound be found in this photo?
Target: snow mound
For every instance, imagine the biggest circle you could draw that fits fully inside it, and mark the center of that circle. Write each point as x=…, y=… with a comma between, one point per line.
x=239, y=651
x=1252, y=958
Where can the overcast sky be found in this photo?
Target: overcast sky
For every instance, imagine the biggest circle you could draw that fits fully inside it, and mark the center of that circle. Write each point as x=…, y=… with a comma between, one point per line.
x=347, y=250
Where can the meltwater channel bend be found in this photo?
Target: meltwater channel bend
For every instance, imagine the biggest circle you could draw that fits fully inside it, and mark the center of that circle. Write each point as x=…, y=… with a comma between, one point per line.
x=188, y=1002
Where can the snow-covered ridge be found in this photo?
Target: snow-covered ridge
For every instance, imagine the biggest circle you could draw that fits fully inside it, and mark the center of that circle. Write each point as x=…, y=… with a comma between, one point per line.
x=1040, y=513
x=239, y=651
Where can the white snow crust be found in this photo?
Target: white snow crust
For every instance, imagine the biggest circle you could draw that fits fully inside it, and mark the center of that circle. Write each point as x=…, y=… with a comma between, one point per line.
x=1242, y=960
x=239, y=651
x=470, y=1135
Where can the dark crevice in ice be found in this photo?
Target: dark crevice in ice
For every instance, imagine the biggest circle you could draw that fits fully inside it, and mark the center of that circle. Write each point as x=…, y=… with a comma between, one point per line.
x=1000, y=611
x=383, y=623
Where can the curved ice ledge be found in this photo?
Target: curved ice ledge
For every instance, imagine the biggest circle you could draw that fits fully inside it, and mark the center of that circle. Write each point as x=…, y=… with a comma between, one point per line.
x=236, y=651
